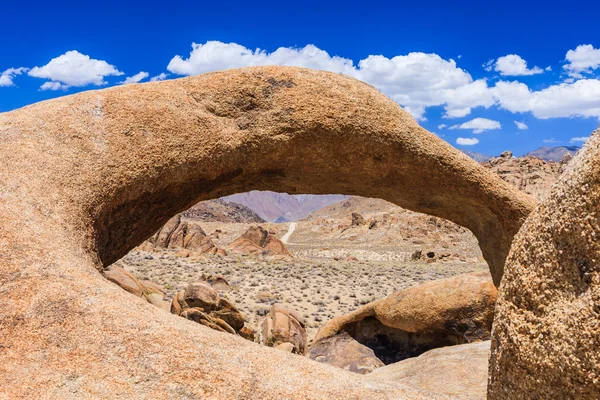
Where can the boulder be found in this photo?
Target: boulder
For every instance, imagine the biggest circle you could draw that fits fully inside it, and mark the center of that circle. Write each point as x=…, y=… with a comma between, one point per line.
x=257, y=240
x=186, y=236
x=357, y=220
x=125, y=280
x=459, y=372
x=283, y=325
x=343, y=351
x=149, y=291
x=199, y=302
x=434, y=314
x=547, y=329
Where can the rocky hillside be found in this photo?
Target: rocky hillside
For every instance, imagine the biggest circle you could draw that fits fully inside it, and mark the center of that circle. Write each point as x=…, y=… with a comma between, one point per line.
x=222, y=211
x=530, y=174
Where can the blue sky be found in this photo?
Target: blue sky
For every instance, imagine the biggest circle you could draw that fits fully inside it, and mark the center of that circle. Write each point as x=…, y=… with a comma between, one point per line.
x=466, y=70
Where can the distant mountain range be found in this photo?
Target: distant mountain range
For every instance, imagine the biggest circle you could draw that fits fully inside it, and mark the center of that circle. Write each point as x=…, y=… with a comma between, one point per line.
x=553, y=153
x=545, y=153
x=283, y=207
x=479, y=157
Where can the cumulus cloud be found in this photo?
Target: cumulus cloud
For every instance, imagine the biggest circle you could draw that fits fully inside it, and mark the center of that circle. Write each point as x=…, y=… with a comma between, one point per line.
x=467, y=141
x=521, y=125
x=584, y=59
x=580, y=98
x=160, y=77
x=511, y=65
x=74, y=69
x=54, y=86
x=478, y=125
x=136, y=78
x=579, y=139
x=442, y=126
x=416, y=80
x=6, y=77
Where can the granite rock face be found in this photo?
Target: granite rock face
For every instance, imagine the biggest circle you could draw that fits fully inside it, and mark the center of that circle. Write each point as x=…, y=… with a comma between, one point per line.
x=99, y=172
x=547, y=329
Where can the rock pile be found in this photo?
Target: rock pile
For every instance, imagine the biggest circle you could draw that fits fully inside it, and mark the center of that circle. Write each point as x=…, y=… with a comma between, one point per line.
x=201, y=303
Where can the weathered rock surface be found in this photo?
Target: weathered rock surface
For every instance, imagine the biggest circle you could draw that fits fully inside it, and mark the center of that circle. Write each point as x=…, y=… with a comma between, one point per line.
x=258, y=241
x=98, y=172
x=532, y=175
x=343, y=351
x=283, y=325
x=179, y=233
x=459, y=372
x=219, y=210
x=201, y=303
x=434, y=314
x=547, y=329
x=147, y=290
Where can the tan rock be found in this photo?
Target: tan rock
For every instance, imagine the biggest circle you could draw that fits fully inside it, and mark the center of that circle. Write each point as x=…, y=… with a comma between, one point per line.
x=287, y=347
x=200, y=295
x=283, y=325
x=547, y=331
x=98, y=172
x=125, y=280
x=257, y=240
x=433, y=314
x=459, y=372
x=343, y=351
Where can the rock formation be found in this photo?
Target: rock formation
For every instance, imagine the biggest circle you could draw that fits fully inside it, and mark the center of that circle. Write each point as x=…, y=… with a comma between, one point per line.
x=178, y=233
x=459, y=372
x=547, y=329
x=283, y=325
x=201, y=303
x=434, y=314
x=86, y=178
x=258, y=241
x=343, y=351
x=149, y=291
x=221, y=211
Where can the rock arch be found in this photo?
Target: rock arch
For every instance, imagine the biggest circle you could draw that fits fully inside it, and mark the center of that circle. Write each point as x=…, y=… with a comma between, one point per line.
x=85, y=178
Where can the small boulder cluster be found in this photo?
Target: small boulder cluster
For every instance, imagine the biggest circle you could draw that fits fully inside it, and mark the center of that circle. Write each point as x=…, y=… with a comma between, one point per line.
x=201, y=303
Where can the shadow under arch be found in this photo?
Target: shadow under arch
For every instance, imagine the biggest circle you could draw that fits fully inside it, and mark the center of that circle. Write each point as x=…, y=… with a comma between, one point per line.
x=85, y=178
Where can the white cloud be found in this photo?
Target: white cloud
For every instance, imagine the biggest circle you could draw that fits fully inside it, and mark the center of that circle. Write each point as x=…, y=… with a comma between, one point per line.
x=54, y=86
x=584, y=59
x=478, y=125
x=136, y=78
x=75, y=69
x=442, y=126
x=521, y=125
x=512, y=65
x=160, y=77
x=467, y=141
x=489, y=65
x=6, y=78
x=579, y=139
x=580, y=98
x=416, y=80
x=551, y=141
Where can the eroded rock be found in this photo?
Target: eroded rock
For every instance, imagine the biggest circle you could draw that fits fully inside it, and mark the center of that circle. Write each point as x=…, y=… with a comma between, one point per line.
x=258, y=241
x=283, y=325
x=434, y=314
